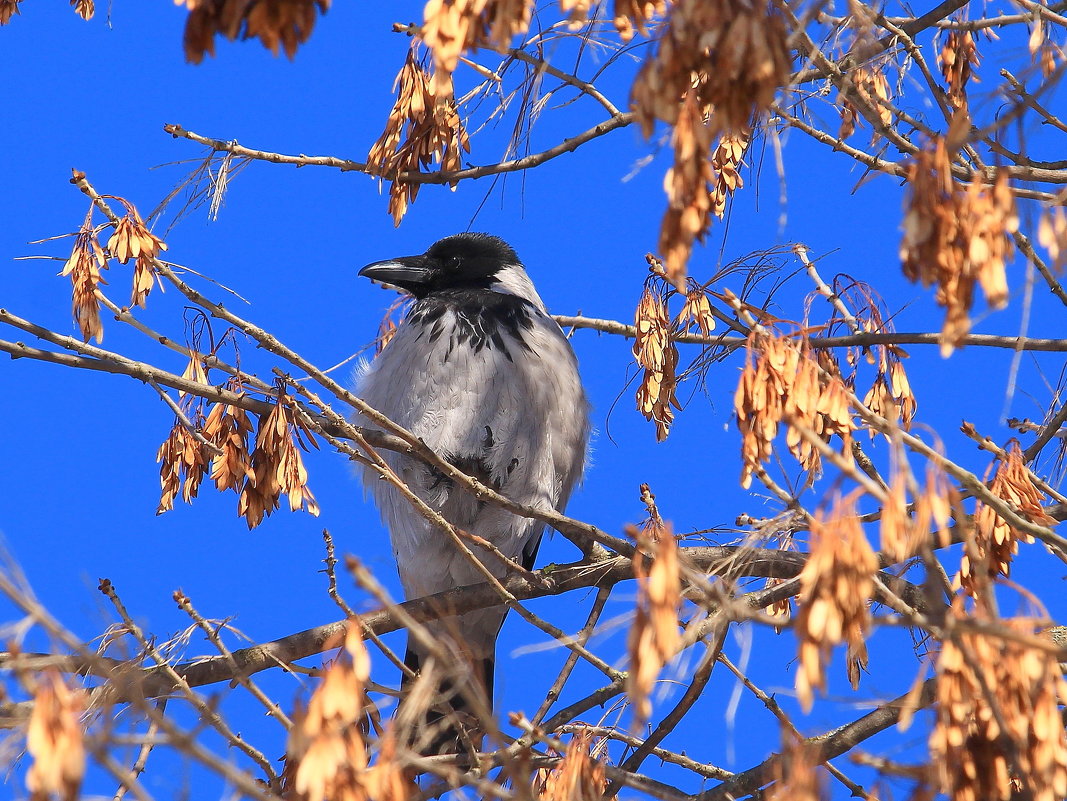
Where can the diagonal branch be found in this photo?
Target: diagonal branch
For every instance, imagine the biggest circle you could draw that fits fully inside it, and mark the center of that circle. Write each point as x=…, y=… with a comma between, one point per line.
x=827, y=746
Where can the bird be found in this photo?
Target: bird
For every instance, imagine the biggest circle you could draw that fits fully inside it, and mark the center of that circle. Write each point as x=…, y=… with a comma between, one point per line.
x=481, y=373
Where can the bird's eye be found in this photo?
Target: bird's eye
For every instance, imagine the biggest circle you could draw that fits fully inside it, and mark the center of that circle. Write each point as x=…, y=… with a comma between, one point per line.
x=454, y=261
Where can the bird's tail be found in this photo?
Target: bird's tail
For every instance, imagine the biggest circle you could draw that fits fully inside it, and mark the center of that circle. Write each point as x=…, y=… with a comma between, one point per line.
x=452, y=722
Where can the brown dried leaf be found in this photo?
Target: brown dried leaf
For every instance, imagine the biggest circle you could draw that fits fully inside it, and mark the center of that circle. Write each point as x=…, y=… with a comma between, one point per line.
x=453, y=27
x=1043, y=51
x=144, y=278
x=732, y=55
x=797, y=774
x=697, y=310
x=781, y=610
x=870, y=83
x=393, y=316
x=726, y=162
x=194, y=371
x=849, y=116
x=689, y=185
x=856, y=659
x=934, y=508
x=879, y=400
x=900, y=388
x=577, y=12
x=900, y=538
x=387, y=779
x=132, y=240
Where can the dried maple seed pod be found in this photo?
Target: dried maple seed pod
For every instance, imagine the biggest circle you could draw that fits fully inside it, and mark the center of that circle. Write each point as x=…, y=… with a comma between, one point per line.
x=55, y=740
x=84, y=8
x=228, y=429
x=278, y=466
x=1052, y=235
x=183, y=464
x=655, y=351
x=654, y=635
x=835, y=585
x=633, y=16
x=453, y=27
x=992, y=543
x=326, y=755
x=423, y=127
x=716, y=69
x=86, y=261
x=957, y=236
x=782, y=383
x=579, y=776
x=998, y=733
x=957, y=59
x=278, y=24
x=8, y=8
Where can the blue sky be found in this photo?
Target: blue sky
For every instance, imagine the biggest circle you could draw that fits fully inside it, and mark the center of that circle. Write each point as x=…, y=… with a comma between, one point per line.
x=77, y=456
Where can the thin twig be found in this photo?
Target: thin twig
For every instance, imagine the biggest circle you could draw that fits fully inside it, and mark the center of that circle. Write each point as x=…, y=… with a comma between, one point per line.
x=203, y=709
x=275, y=711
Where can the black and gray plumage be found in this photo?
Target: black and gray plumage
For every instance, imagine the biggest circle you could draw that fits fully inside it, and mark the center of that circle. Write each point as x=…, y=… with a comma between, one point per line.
x=485, y=377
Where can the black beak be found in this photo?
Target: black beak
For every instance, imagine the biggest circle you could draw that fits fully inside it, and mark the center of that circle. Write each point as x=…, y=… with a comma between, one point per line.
x=410, y=273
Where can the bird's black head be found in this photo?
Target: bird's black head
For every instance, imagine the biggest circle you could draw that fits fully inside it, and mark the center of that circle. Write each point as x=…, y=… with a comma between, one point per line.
x=462, y=261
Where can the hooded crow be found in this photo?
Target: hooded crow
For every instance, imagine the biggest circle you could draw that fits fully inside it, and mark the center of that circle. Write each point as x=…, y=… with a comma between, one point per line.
x=485, y=377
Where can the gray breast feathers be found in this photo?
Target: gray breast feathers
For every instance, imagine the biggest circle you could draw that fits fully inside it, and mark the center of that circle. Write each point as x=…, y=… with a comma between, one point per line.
x=502, y=401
